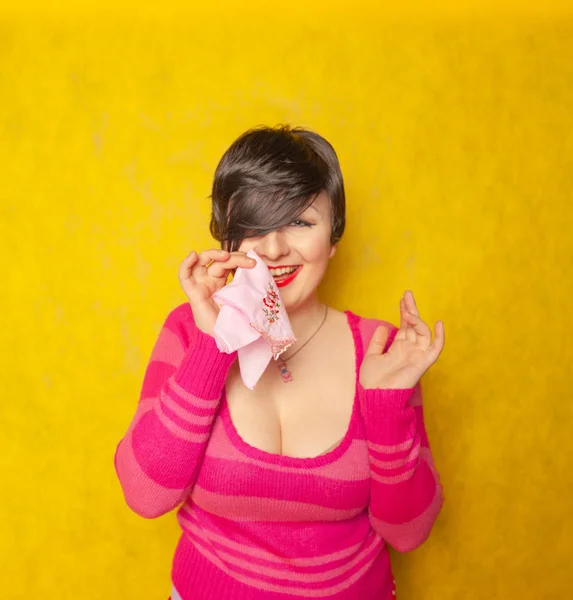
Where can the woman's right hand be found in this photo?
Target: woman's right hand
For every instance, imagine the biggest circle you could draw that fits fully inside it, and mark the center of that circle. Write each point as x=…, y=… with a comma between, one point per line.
x=201, y=275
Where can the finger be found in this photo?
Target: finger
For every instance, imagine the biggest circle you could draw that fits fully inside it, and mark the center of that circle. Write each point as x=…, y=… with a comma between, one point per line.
x=205, y=259
x=222, y=269
x=439, y=340
x=210, y=255
x=403, y=322
x=410, y=302
x=186, y=266
x=411, y=334
x=419, y=326
x=378, y=341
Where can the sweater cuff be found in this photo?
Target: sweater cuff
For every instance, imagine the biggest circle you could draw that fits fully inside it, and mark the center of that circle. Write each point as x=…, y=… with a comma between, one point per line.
x=387, y=399
x=204, y=369
x=389, y=420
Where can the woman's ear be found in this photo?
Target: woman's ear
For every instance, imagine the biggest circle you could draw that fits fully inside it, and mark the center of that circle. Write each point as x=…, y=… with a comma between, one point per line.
x=332, y=250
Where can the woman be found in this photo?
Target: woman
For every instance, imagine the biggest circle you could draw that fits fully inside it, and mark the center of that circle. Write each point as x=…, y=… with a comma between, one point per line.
x=292, y=490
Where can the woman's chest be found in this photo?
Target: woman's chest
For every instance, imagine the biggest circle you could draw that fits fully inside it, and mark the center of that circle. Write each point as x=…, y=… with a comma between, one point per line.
x=304, y=417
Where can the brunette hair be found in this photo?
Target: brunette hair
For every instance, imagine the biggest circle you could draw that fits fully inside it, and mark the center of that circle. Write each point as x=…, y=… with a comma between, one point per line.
x=268, y=177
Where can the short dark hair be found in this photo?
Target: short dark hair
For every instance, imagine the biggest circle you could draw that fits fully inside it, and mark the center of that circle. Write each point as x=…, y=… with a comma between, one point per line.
x=268, y=177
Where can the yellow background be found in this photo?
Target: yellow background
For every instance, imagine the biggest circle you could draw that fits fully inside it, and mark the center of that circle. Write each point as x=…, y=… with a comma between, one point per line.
x=454, y=130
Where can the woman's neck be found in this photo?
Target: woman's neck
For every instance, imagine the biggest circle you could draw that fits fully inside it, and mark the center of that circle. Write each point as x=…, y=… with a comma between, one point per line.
x=305, y=319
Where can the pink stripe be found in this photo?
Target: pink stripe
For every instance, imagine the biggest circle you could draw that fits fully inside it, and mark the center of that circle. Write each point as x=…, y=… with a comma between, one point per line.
x=243, y=479
x=295, y=591
x=324, y=537
x=183, y=423
x=387, y=503
x=391, y=455
x=143, y=495
x=196, y=408
x=354, y=460
x=427, y=456
x=396, y=472
x=285, y=572
x=390, y=449
x=238, y=507
x=395, y=479
x=165, y=457
x=188, y=398
x=168, y=348
x=409, y=535
x=156, y=374
x=186, y=414
x=399, y=462
x=173, y=428
x=315, y=561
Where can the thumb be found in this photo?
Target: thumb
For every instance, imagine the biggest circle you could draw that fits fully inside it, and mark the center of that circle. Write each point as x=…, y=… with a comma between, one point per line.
x=378, y=341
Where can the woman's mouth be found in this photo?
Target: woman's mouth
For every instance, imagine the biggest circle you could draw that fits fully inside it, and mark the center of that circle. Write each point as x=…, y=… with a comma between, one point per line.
x=284, y=275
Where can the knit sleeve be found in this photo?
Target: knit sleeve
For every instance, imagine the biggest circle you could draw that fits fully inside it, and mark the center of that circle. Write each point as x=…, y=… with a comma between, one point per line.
x=158, y=459
x=406, y=494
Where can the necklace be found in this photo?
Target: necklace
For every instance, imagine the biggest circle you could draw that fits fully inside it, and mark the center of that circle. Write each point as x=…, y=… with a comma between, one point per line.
x=285, y=373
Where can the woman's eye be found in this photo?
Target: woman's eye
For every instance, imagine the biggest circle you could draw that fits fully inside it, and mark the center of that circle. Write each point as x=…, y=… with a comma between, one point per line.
x=300, y=223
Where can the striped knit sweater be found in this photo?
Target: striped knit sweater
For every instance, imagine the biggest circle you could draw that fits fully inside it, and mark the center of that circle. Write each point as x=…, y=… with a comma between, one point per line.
x=262, y=526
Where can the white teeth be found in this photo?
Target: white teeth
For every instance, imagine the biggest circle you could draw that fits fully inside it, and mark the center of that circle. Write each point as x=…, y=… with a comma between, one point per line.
x=283, y=271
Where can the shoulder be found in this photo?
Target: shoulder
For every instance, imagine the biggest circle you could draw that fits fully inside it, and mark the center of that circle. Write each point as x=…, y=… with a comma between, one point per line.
x=365, y=327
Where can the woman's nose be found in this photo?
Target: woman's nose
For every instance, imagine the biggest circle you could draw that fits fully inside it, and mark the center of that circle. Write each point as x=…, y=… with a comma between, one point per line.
x=272, y=246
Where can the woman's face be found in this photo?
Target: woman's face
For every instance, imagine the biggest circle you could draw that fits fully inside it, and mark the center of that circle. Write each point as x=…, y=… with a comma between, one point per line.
x=298, y=254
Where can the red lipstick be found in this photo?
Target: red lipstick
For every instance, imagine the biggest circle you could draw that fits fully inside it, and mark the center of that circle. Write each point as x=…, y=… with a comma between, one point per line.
x=282, y=282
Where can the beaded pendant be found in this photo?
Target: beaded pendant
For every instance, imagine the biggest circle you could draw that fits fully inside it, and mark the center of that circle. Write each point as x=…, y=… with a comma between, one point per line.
x=285, y=373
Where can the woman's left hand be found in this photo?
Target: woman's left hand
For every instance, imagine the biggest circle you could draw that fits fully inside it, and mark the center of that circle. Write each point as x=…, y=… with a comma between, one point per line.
x=411, y=354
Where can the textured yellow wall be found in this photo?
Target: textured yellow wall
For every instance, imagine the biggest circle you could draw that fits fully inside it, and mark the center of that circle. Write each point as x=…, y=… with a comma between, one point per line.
x=454, y=132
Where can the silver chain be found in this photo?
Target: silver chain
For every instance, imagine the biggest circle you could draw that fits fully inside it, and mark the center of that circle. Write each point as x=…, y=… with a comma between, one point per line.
x=309, y=339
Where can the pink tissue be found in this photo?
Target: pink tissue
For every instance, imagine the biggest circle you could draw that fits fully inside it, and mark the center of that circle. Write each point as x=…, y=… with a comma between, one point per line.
x=252, y=320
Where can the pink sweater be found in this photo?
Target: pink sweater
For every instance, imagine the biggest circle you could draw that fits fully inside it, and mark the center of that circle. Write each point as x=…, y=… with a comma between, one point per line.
x=262, y=526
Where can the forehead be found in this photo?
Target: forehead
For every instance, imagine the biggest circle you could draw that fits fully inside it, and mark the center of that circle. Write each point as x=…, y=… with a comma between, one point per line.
x=320, y=205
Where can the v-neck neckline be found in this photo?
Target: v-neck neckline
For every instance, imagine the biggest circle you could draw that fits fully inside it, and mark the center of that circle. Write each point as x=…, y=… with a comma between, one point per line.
x=312, y=461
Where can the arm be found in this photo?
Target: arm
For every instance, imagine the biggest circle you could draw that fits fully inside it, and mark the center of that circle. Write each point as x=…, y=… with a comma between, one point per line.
x=406, y=495
x=159, y=457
